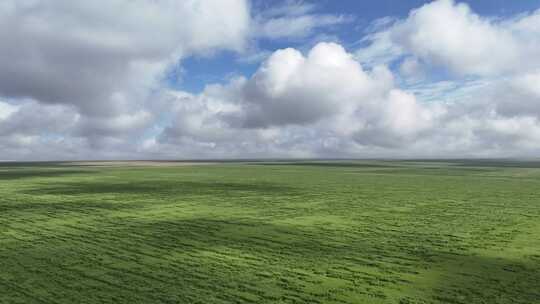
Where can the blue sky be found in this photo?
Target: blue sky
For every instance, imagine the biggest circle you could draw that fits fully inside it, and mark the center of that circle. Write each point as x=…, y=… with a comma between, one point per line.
x=122, y=79
x=197, y=71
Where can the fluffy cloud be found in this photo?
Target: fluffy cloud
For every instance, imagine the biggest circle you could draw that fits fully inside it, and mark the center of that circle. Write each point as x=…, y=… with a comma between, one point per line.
x=102, y=59
x=33, y=118
x=326, y=104
x=92, y=54
x=324, y=94
x=518, y=96
x=448, y=34
x=292, y=89
x=82, y=80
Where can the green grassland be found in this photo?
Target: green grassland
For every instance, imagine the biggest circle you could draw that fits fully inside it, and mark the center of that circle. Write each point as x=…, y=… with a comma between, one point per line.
x=300, y=232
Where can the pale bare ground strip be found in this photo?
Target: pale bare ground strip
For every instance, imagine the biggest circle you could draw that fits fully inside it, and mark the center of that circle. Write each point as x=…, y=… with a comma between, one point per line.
x=140, y=163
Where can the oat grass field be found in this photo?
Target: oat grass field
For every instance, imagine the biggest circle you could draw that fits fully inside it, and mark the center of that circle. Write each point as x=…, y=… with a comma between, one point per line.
x=424, y=231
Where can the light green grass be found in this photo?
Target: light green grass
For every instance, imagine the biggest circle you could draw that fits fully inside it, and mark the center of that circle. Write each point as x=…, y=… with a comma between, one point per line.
x=309, y=232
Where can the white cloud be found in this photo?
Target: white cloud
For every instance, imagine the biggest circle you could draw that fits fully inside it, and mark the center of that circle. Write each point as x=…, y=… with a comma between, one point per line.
x=33, y=118
x=326, y=91
x=292, y=89
x=80, y=80
x=85, y=53
x=6, y=110
x=411, y=69
x=448, y=34
x=296, y=26
x=293, y=20
x=102, y=60
x=325, y=104
x=518, y=96
x=379, y=47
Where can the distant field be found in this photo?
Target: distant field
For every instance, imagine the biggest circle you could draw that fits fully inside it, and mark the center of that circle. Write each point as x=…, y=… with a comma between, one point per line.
x=299, y=232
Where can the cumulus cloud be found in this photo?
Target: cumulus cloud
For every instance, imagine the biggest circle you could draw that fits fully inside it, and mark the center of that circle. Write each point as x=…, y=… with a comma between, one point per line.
x=82, y=80
x=292, y=89
x=518, y=96
x=87, y=53
x=326, y=104
x=449, y=34
x=26, y=129
x=325, y=92
x=33, y=118
x=102, y=59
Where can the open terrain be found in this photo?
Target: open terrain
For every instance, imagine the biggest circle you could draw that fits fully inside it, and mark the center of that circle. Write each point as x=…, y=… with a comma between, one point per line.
x=458, y=231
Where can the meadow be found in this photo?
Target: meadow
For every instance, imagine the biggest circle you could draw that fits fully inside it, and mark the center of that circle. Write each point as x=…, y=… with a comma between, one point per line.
x=454, y=231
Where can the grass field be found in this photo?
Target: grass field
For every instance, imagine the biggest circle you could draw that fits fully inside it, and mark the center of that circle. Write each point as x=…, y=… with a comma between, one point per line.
x=301, y=232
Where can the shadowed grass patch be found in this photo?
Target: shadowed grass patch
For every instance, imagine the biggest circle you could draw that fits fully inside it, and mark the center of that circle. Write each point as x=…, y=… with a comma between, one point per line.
x=394, y=232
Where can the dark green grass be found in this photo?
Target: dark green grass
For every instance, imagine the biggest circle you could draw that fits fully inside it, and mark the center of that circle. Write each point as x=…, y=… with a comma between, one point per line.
x=299, y=232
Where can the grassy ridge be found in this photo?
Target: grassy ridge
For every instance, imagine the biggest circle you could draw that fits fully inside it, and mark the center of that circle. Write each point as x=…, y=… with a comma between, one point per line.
x=311, y=232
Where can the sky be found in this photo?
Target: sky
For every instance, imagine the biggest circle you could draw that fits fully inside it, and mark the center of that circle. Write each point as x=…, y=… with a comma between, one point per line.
x=229, y=79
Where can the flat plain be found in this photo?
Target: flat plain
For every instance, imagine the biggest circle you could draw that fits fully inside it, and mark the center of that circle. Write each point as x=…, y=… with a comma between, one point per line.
x=454, y=231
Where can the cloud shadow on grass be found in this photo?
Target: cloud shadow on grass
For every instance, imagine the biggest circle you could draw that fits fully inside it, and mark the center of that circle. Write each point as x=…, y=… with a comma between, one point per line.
x=328, y=164
x=19, y=173
x=480, y=279
x=160, y=187
x=180, y=258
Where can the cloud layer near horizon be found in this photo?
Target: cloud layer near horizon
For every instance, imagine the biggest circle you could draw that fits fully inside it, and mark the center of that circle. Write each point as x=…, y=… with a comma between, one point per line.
x=80, y=81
